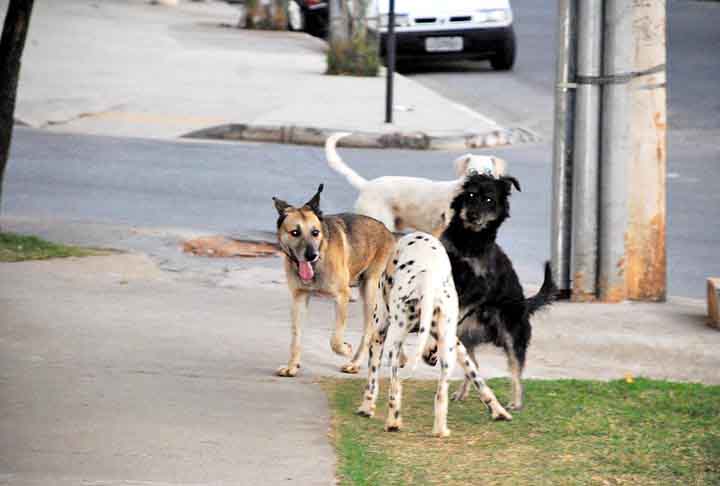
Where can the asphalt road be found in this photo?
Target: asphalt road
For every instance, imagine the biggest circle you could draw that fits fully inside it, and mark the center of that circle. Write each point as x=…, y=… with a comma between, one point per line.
x=227, y=188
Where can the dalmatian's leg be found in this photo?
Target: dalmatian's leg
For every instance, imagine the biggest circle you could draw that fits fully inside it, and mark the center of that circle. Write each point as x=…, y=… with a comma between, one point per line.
x=397, y=331
x=367, y=408
x=486, y=394
x=299, y=309
x=446, y=353
x=464, y=390
x=393, y=422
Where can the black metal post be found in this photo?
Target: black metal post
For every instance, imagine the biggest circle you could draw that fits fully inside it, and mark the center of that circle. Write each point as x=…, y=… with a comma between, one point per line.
x=390, y=53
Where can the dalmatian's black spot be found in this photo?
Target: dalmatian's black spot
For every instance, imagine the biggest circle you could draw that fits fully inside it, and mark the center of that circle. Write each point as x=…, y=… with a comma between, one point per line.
x=434, y=247
x=473, y=374
x=411, y=243
x=397, y=413
x=395, y=262
x=419, y=237
x=410, y=262
x=422, y=329
x=401, y=324
x=401, y=266
x=374, y=369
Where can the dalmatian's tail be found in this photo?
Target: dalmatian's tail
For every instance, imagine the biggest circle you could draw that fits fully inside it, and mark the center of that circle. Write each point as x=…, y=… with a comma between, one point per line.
x=427, y=306
x=337, y=164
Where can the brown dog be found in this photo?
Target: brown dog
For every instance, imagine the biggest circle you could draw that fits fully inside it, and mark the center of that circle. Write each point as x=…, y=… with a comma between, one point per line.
x=323, y=255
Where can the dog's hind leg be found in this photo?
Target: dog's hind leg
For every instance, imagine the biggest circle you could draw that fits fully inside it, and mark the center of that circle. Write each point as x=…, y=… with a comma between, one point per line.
x=299, y=309
x=367, y=408
x=486, y=394
x=445, y=329
x=397, y=332
x=515, y=350
x=337, y=343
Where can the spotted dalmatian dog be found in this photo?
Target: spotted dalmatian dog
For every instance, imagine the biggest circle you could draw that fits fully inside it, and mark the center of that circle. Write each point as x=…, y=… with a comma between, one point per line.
x=417, y=294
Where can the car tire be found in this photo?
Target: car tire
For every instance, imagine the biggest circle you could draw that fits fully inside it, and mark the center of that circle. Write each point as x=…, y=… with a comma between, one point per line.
x=504, y=60
x=296, y=17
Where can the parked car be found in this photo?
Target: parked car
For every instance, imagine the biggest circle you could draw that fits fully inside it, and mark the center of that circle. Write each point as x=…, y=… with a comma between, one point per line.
x=309, y=16
x=451, y=29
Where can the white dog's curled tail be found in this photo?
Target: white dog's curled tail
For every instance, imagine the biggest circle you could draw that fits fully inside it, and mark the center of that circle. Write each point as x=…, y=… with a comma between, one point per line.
x=336, y=163
x=427, y=306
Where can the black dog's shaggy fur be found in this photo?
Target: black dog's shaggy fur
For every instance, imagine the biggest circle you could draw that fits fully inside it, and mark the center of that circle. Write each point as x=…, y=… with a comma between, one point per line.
x=493, y=307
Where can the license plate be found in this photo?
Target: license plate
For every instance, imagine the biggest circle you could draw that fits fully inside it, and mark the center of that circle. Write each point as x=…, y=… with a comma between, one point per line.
x=443, y=44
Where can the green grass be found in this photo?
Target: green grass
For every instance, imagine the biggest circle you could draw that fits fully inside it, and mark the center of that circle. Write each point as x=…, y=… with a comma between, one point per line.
x=570, y=432
x=16, y=248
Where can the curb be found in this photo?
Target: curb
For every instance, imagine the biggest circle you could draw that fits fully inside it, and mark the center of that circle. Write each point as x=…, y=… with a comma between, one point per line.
x=305, y=135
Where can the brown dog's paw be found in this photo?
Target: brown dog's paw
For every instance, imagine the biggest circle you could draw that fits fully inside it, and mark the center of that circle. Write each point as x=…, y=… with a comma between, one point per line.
x=350, y=368
x=344, y=349
x=287, y=372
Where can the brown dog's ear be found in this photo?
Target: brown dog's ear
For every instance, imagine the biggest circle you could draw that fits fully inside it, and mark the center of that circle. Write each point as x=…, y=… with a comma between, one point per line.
x=314, y=202
x=511, y=181
x=281, y=206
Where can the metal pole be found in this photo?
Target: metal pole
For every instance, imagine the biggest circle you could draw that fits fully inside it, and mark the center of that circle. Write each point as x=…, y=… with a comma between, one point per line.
x=560, y=230
x=646, y=264
x=585, y=156
x=390, y=51
x=616, y=151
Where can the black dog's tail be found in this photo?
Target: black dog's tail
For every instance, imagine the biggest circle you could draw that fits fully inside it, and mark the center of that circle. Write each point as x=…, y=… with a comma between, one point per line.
x=545, y=296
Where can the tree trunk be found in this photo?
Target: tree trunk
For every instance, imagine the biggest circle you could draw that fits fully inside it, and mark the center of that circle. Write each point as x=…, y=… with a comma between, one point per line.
x=339, y=31
x=17, y=21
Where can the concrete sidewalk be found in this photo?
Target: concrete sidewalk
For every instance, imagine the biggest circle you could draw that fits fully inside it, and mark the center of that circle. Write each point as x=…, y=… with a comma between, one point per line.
x=136, y=69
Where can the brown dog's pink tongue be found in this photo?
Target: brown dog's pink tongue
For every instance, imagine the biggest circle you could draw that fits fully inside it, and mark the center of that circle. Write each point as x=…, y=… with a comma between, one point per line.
x=305, y=270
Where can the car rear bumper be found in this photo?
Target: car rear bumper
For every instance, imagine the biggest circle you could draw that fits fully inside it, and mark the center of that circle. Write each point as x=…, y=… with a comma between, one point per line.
x=477, y=43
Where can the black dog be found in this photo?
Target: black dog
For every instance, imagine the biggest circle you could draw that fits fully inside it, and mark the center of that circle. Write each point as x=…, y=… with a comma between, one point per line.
x=493, y=308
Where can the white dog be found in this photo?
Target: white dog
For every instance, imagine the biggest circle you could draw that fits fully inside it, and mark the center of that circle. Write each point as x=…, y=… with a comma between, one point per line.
x=410, y=202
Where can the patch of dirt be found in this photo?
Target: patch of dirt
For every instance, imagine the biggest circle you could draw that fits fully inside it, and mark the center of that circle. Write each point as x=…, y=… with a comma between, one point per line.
x=222, y=247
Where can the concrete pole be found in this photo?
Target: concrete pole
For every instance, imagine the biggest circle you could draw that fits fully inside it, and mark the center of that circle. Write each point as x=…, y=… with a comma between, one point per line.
x=586, y=152
x=646, y=263
x=616, y=152
x=560, y=229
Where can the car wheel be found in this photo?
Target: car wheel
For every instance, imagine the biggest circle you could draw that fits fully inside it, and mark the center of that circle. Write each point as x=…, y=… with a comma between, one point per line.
x=296, y=18
x=504, y=60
